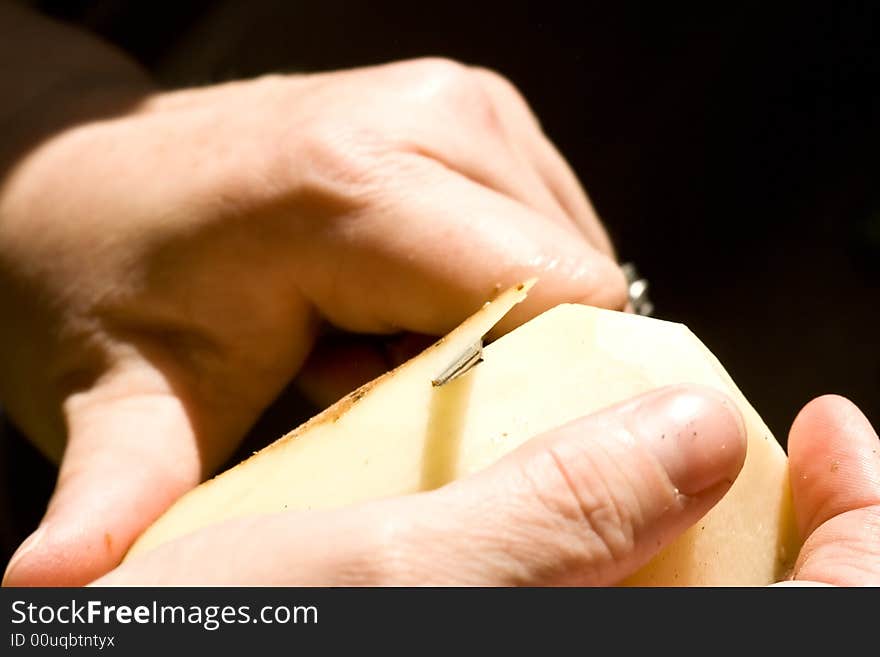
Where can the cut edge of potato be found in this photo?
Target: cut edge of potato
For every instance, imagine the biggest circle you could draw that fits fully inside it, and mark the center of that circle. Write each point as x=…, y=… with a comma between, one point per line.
x=444, y=351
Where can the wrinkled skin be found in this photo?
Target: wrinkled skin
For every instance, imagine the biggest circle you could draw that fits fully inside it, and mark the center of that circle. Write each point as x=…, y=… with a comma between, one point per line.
x=172, y=268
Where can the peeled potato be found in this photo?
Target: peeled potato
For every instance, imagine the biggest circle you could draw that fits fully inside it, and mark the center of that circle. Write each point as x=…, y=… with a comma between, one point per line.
x=400, y=434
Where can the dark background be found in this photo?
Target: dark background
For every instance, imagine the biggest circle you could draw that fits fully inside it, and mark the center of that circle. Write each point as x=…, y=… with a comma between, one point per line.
x=732, y=153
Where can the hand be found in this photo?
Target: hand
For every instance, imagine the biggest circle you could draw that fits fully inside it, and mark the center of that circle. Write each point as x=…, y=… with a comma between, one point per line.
x=834, y=456
x=170, y=269
x=586, y=504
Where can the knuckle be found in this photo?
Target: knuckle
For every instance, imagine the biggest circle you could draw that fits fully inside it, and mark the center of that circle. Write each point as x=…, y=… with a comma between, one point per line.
x=586, y=501
x=498, y=82
x=388, y=555
x=502, y=88
x=455, y=87
x=330, y=153
x=437, y=71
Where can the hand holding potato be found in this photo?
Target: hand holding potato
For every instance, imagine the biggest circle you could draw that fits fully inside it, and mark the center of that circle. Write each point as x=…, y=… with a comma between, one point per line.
x=585, y=504
x=171, y=267
x=170, y=259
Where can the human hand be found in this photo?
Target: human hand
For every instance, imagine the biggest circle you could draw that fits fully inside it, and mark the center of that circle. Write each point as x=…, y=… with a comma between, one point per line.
x=586, y=504
x=834, y=457
x=168, y=271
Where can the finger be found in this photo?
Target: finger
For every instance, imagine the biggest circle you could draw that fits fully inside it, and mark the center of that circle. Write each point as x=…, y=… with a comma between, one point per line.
x=488, y=157
x=452, y=119
x=588, y=503
x=524, y=131
x=429, y=247
x=834, y=456
x=127, y=460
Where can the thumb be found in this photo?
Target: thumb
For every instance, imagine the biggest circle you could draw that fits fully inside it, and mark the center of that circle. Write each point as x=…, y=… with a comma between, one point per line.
x=834, y=456
x=588, y=503
x=126, y=461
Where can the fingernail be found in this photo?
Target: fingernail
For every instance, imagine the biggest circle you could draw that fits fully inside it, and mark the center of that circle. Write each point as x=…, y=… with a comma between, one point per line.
x=29, y=544
x=697, y=435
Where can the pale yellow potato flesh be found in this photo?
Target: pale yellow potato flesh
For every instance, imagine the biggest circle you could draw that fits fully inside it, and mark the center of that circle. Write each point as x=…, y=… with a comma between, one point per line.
x=400, y=434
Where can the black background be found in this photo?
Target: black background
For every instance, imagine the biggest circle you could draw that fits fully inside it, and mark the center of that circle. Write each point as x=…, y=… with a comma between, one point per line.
x=732, y=153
